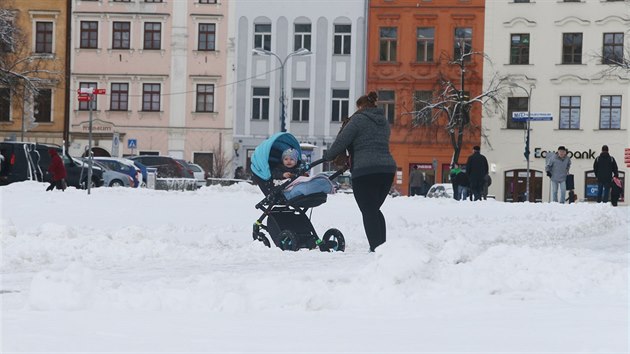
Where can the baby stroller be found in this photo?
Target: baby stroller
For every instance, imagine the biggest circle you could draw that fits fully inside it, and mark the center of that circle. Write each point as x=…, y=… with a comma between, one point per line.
x=288, y=226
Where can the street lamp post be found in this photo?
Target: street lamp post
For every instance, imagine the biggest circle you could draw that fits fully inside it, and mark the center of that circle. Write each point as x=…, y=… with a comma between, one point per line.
x=529, y=117
x=299, y=52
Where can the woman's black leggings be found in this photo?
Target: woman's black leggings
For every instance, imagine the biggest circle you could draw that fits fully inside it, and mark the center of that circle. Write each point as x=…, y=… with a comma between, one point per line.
x=370, y=192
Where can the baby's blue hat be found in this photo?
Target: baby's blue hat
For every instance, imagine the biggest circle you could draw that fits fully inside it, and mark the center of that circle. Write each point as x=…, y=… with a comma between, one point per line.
x=292, y=153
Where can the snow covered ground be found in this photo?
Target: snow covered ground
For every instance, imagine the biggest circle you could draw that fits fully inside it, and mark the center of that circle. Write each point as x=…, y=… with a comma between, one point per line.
x=136, y=270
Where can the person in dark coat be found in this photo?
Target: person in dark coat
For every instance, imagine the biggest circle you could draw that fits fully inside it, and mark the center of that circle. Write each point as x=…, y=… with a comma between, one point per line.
x=416, y=179
x=605, y=168
x=366, y=137
x=477, y=169
x=57, y=171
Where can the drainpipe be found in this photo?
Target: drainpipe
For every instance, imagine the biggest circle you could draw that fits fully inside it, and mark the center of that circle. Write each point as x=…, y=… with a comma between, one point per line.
x=66, y=112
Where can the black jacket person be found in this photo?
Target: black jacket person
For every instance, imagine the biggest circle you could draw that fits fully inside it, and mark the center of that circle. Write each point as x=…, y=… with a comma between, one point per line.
x=477, y=169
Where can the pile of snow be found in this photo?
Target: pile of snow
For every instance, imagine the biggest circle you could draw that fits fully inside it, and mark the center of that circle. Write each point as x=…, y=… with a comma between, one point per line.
x=135, y=251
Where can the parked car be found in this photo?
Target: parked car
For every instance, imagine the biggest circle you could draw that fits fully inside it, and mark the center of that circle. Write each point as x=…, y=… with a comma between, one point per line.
x=440, y=190
x=25, y=161
x=111, y=178
x=188, y=171
x=122, y=165
x=342, y=183
x=200, y=174
x=166, y=166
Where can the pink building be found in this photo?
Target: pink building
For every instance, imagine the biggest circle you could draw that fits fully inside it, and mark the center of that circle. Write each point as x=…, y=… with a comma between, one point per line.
x=163, y=65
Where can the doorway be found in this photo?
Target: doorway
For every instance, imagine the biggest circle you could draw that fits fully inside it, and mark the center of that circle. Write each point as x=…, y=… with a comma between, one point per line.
x=516, y=185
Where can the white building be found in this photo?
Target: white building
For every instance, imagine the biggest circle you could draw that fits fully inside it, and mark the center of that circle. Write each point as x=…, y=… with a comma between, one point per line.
x=555, y=49
x=320, y=87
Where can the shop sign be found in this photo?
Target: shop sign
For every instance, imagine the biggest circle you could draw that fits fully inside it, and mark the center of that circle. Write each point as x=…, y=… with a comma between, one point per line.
x=580, y=155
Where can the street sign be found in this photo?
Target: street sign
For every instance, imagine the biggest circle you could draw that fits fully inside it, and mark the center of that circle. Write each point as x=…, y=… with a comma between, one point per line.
x=132, y=143
x=86, y=90
x=626, y=156
x=84, y=98
x=522, y=116
x=98, y=91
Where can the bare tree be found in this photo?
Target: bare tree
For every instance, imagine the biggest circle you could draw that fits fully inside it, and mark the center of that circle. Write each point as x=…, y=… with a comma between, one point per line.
x=220, y=164
x=451, y=105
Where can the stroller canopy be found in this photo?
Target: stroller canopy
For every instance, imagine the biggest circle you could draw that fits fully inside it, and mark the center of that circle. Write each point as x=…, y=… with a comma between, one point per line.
x=270, y=152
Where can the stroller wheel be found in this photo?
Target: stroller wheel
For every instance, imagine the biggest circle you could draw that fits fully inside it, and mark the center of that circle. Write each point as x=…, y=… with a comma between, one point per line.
x=262, y=238
x=333, y=241
x=288, y=241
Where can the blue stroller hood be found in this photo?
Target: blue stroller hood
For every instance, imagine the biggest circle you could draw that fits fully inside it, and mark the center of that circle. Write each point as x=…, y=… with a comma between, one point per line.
x=270, y=151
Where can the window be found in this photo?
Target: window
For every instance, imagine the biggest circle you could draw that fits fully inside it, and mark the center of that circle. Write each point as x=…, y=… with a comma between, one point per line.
x=5, y=104
x=340, y=105
x=425, y=40
x=570, y=112
x=262, y=36
x=613, y=48
x=43, y=37
x=572, y=48
x=516, y=104
x=121, y=35
x=119, y=97
x=386, y=102
x=42, y=108
x=207, y=36
x=152, y=35
x=463, y=42
x=342, y=39
x=421, y=100
x=89, y=34
x=151, y=97
x=207, y=1
x=205, y=98
x=519, y=48
x=83, y=105
x=300, y=105
x=260, y=109
x=302, y=38
x=388, y=43
x=610, y=112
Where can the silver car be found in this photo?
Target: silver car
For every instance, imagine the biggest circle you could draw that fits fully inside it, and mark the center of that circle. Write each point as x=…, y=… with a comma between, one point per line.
x=111, y=178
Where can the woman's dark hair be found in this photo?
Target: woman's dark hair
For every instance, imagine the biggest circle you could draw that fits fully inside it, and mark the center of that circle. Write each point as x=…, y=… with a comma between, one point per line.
x=368, y=100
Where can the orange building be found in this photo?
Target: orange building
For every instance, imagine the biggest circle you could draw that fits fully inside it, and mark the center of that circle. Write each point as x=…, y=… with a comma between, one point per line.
x=411, y=44
x=41, y=50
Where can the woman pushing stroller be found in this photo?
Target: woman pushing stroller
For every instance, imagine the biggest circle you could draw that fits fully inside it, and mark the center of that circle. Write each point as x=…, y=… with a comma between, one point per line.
x=366, y=137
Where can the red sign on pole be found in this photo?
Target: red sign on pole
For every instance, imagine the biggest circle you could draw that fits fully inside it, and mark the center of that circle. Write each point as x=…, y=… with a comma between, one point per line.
x=84, y=98
x=626, y=157
x=98, y=91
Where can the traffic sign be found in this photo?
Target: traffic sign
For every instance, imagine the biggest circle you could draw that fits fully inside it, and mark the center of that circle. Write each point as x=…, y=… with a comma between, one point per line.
x=84, y=98
x=523, y=116
x=86, y=90
x=98, y=91
x=132, y=143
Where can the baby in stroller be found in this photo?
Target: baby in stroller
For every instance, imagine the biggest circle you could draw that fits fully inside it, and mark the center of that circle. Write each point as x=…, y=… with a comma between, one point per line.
x=301, y=184
x=284, y=206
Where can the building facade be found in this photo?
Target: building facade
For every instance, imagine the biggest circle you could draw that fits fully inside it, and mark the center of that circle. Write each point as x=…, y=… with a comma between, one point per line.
x=411, y=46
x=555, y=55
x=163, y=66
x=314, y=52
x=41, y=47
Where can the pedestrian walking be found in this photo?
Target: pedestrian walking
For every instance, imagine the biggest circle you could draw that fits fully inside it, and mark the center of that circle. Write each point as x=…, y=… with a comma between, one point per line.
x=416, y=179
x=605, y=168
x=57, y=171
x=366, y=137
x=477, y=169
x=455, y=170
x=557, y=169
